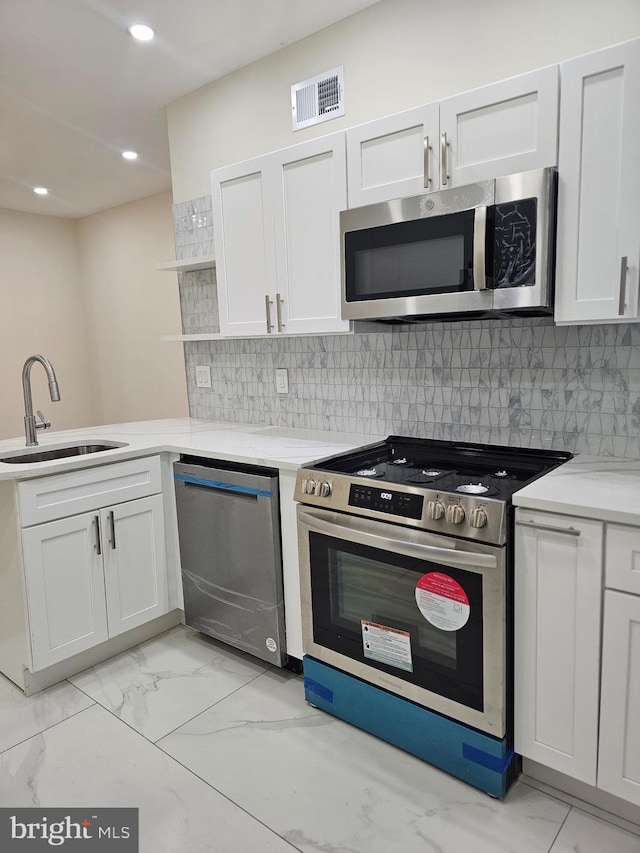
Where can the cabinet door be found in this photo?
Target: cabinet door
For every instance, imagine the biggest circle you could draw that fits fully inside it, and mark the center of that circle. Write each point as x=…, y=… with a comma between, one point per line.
x=558, y=573
x=599, y=187
x=309, y=191
x=619, y=755
x=242, y=212
x=65, y=588
x=135, y=569
x=506, y=127
x=393, y=157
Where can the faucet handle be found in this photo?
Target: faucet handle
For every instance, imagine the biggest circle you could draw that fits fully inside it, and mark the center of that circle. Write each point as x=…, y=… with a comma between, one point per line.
x=44, y=423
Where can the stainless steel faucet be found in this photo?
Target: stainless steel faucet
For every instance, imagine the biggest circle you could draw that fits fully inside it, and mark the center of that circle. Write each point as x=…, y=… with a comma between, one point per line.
x=30, y=425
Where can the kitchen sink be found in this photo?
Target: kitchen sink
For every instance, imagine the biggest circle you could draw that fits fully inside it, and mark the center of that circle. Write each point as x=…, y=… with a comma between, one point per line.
x=40, y=454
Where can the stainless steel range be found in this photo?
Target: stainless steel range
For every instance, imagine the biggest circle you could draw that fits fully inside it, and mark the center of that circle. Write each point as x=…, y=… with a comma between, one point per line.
x=406, y=579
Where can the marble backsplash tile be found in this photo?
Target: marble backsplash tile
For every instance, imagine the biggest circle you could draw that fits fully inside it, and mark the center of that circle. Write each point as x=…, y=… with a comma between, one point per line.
x=519, y=382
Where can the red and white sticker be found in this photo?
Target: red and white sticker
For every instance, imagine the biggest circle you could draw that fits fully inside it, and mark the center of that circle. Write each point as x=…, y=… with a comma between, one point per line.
x=442, y=601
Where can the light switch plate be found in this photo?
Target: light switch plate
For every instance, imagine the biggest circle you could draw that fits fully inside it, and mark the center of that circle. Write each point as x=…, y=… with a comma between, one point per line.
x=282, y=381
x=203, y=376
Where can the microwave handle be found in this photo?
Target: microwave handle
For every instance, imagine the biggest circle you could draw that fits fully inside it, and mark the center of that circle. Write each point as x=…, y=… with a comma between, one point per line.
x=356, y=533
x=479, y=248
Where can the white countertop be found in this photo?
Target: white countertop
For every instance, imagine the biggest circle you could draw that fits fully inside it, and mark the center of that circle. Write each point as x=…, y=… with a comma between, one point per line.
x=600, y=487
x=276, y=447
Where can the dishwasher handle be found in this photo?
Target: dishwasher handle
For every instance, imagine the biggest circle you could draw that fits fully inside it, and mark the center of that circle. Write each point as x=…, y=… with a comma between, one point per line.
x=221, y=486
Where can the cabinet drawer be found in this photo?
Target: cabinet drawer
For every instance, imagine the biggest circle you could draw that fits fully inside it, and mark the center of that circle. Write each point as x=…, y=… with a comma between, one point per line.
x=61, y=495
x=623, y=558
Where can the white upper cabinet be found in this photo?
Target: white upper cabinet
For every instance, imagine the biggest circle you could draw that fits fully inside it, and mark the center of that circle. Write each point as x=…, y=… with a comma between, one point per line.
x=506, y=127
x=242, y=212
x=276, y=231
x=501, y=129
x=394, y=157
x=309, y=191
x=599, y=187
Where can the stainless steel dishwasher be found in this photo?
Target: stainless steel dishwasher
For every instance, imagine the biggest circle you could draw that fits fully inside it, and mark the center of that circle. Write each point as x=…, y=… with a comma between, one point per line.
x=229, y=532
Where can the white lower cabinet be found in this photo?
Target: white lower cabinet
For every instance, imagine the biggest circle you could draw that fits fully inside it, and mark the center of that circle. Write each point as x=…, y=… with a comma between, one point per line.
x=619, y=751
x=93, y=575
x=578, y=710
x=558, y=584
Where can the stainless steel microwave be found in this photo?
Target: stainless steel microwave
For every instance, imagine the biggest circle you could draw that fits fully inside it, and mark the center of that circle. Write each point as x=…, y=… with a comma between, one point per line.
x=482, y=249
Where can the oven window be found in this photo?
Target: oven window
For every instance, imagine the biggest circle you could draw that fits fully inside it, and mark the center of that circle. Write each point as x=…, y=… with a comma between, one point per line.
x=354, y=585
x=374, y=591
x=421, y=257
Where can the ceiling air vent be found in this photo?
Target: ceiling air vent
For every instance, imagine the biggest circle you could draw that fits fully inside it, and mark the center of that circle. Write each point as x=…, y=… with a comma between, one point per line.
x=317, y=99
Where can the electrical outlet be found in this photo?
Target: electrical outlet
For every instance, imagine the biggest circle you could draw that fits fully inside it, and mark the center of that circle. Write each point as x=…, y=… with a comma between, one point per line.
x=282, y=381
x=203, y=376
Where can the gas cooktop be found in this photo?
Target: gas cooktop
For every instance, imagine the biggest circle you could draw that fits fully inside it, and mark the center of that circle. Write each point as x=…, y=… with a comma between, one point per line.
x=449, y=487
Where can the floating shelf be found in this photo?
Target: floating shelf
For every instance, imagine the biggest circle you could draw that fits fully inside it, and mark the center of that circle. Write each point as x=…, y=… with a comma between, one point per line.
x=204, y=262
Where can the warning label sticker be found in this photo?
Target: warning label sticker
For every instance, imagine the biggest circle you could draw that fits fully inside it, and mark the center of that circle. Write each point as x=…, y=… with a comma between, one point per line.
x=387, y=645
x=442, y=601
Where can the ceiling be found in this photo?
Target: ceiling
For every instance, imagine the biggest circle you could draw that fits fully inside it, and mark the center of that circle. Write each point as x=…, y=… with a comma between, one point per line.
x=76, y=90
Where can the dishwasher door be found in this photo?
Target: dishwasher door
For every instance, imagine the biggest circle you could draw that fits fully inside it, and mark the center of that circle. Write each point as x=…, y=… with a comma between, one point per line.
x=229, y=532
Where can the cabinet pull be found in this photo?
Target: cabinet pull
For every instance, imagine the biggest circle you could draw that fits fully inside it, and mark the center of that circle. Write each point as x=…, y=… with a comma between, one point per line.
x=427, y=151
x=279, y=304
x=444, y=159
x=97, y=544
x=570, y=531
x=623, y=285
x=112, y=524
x=268, y=303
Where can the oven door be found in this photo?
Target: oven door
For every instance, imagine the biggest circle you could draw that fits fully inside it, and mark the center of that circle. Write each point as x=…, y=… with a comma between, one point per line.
x=418, y=614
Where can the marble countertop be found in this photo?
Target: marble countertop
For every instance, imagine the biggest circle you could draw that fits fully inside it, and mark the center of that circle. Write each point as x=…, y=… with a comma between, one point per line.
x=600, y=487
x=276, y=447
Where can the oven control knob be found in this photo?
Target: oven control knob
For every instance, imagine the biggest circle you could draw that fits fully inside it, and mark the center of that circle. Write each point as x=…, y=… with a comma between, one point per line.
x=455, y=514
x=478, y=517
x=311, y=487
x=435, y=510
x=324, y=489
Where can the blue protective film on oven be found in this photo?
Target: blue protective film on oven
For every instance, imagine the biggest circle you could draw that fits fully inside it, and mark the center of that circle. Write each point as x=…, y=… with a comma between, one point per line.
x=318, y=689
x=491, y=762
x=486, y=762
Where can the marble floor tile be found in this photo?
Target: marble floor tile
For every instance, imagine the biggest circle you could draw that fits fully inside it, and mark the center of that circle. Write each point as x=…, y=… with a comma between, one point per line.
x=22, y=716
x=326, y=786
x=168, y=680
x=583, y=833
x=93, y=760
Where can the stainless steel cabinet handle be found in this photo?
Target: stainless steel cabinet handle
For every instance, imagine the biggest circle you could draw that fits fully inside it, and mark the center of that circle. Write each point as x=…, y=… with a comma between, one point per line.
x=623, y=285
x=570, y=531
x=427, y=151
x=279, y=304
x=268, y=303
x=97, y=544
x=479, y=245
x=112, y=524
x=356, y=530
x=444, y=160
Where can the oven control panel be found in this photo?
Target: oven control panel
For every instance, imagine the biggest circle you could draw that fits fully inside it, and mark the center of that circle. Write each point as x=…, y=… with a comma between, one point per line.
x=384, y=500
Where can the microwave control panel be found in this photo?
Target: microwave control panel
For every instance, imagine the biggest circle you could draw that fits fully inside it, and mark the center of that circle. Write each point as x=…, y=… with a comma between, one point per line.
x=385, y=500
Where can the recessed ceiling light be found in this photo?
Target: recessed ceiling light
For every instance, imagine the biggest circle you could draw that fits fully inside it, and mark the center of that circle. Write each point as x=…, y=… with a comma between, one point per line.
x=130, y=155
x=41, y=190
x=141, y=32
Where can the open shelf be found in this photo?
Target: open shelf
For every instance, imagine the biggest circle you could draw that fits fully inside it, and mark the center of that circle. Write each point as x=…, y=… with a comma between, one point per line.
x=204, y=262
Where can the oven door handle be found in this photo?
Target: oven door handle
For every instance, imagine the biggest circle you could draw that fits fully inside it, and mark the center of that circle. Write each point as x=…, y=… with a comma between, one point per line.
x=357, y=533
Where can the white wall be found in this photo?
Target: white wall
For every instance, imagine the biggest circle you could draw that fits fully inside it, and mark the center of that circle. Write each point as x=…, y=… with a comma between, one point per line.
x=130, y=305
x=42, y=311
x=396, y=55
x=86, y=294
